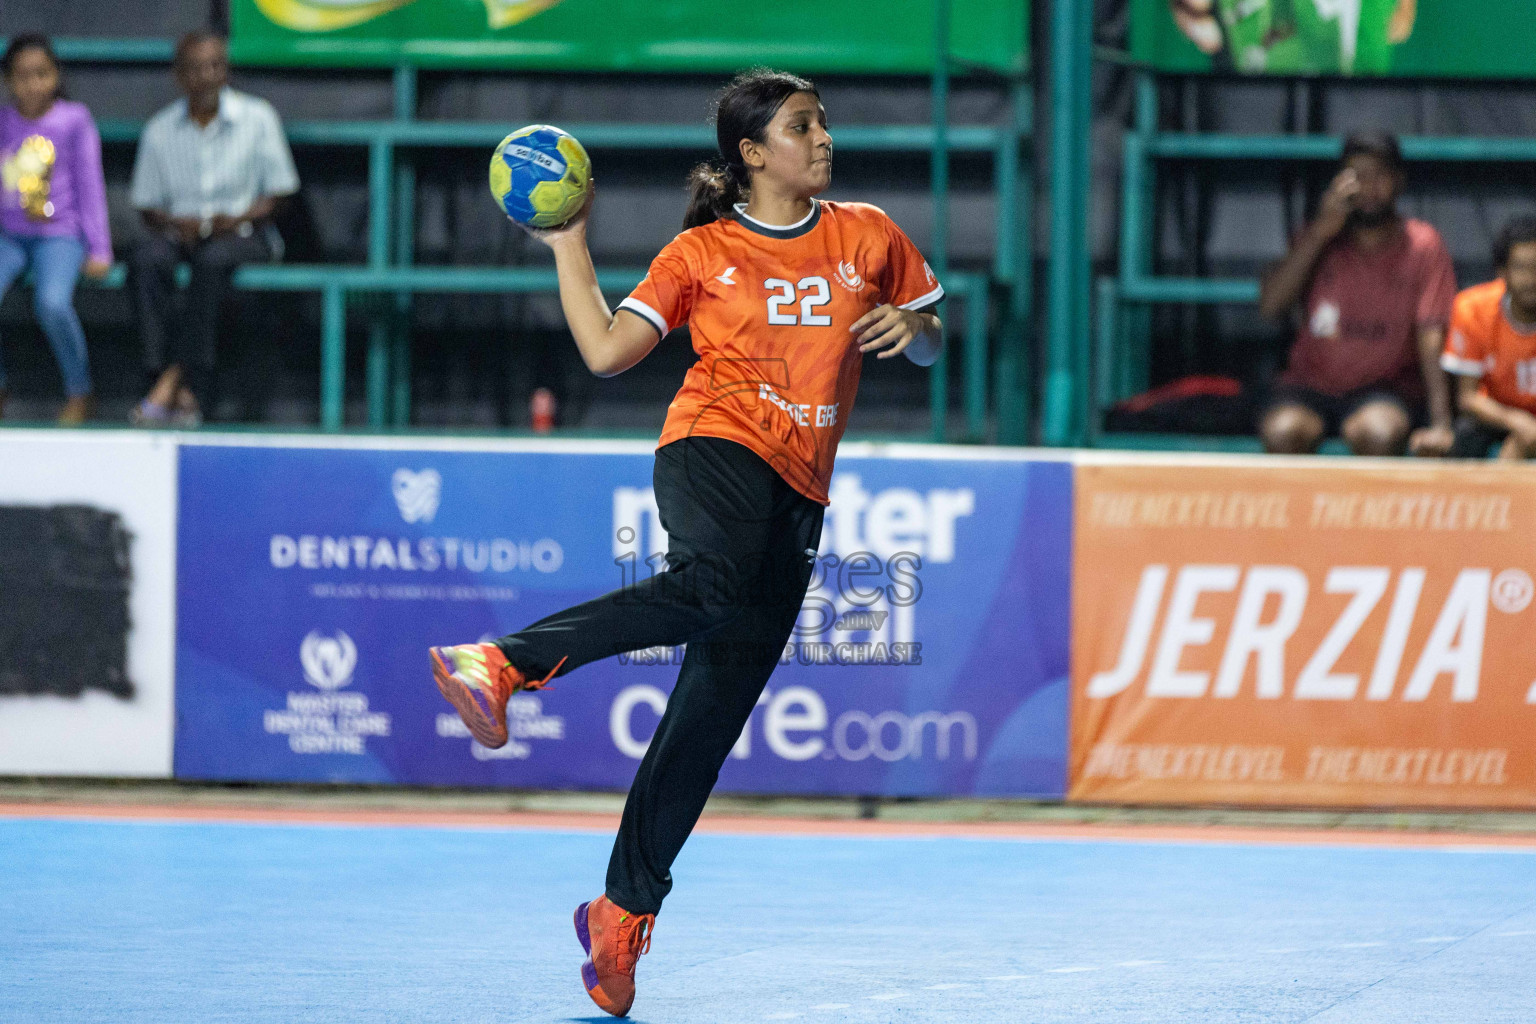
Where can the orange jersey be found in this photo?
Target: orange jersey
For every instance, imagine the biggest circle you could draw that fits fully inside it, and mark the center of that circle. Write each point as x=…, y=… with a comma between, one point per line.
x=1485, y=342
x=769, y=310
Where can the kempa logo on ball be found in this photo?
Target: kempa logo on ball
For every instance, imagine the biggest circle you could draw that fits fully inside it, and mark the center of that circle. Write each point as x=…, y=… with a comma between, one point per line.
x=328, y=661
x=533, y=156
x=417, y=495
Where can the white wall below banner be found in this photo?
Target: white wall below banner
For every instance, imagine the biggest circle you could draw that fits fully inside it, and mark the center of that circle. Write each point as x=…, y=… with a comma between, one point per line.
x=87, y=579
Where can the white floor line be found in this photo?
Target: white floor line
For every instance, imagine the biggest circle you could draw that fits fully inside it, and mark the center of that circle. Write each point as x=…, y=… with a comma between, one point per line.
x=947, y=986
x=1083, y=968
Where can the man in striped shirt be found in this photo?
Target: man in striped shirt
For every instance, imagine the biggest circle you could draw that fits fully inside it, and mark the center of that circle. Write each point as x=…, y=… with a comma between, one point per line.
x=209, y=173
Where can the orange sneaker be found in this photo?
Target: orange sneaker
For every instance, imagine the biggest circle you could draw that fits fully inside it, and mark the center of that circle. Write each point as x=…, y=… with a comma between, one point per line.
x=478, y=680
x=614, y=939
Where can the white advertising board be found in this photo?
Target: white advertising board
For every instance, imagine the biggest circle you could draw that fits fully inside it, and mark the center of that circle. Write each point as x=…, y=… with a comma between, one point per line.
x=87, y=588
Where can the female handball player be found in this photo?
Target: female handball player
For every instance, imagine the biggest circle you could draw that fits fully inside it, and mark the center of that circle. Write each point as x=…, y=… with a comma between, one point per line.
x=783, y=295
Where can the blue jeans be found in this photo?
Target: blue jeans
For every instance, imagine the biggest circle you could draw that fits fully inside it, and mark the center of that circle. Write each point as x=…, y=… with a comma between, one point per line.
x=55, y=269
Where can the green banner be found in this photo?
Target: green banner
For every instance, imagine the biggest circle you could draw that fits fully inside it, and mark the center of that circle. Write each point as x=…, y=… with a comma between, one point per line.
x=809, y=36
x=1410, y=38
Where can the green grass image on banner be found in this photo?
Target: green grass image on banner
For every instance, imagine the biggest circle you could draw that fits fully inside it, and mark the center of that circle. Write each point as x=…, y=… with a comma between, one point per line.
x=808, y=36
x=1410, y=38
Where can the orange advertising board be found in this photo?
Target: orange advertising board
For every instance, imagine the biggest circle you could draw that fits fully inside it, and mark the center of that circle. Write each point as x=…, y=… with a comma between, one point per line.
x=1321, y=634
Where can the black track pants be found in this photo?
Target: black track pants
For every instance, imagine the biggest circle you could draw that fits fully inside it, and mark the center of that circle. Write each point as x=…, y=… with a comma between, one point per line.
x=741, y=549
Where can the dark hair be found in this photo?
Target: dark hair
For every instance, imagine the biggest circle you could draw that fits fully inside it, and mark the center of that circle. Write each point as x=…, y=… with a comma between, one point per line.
x=742, y=111
x=194, y=38
x=1516, y=231
x=1381, y=145
x=29, y=41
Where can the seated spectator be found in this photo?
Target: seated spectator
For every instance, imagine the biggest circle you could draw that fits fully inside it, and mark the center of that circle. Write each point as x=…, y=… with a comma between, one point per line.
x=53, y=207
x=1492, y=352
x=209, y=172
x=1375, y=293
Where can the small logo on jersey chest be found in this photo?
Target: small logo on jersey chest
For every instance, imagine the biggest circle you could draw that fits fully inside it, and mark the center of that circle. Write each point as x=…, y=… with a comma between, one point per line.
x=725, y=278
x=848, y=276
x=1325, y=320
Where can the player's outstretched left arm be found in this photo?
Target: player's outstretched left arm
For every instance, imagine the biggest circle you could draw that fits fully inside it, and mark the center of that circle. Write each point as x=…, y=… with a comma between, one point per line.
x=893, y=330
x=608, y=344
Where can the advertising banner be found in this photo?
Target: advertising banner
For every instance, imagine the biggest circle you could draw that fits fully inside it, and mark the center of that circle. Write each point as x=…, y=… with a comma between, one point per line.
x=1322, y=635
x=87, y=556
x=690, y=36
x=1417, y=38
x=931, y=660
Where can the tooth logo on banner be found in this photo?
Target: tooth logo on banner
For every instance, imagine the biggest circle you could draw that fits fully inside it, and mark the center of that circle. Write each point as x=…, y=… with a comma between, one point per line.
x=417, y=494
x=328, y=661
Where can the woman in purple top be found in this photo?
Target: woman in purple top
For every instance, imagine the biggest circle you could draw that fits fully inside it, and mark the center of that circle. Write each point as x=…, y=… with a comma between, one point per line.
x=53, y=206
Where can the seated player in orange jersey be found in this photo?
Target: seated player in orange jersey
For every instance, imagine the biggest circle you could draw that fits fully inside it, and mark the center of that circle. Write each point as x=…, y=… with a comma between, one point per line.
x=1491, y=348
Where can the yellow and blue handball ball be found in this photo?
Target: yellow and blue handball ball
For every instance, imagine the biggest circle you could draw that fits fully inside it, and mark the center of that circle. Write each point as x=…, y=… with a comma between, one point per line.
x=539, y=175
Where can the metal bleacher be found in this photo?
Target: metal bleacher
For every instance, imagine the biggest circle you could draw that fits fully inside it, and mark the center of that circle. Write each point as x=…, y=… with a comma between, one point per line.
x=1121, y=347
x=989, y=389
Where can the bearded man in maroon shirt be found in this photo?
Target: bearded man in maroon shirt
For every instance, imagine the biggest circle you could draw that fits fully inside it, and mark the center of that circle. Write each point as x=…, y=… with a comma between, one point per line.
x=1374, y=293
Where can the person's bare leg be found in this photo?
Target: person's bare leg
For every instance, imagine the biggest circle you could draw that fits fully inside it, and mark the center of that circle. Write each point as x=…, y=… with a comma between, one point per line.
x=1512, y=450
x=1377, y=428
x=186, y=401
x=164, y=391
x=1291, y=430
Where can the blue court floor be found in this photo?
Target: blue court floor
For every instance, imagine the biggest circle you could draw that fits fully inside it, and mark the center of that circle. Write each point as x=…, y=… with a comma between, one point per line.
x=198, y=922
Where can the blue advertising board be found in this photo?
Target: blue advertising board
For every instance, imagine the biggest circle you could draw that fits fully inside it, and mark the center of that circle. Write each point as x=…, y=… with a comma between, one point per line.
x=311, y=580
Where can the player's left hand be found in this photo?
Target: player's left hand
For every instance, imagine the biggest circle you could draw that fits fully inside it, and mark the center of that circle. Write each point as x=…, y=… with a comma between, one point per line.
x=1431, y=442
x=887, y=327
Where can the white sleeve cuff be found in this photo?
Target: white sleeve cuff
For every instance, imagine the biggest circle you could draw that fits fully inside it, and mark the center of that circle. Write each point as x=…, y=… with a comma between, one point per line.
x=930, y=299
x=1461, y=367
x=639, y=308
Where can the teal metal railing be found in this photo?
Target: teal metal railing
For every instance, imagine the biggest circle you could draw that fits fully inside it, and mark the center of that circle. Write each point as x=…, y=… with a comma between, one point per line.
x=336, y=283
x=1062, y=416
x=392, y=178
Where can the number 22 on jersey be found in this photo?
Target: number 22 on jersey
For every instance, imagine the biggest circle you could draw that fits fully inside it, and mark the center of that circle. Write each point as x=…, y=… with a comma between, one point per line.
x=813, y=293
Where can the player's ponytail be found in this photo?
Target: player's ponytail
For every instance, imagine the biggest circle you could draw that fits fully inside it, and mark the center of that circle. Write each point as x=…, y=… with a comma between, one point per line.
x=714, y=188
x=742, y=111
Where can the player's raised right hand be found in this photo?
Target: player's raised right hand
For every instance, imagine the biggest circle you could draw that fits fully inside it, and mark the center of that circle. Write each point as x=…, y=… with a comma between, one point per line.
x=573, y=231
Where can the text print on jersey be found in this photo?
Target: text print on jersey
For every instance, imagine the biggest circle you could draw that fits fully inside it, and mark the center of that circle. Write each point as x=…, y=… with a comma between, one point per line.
x=1271, y=605
x=826, y=415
